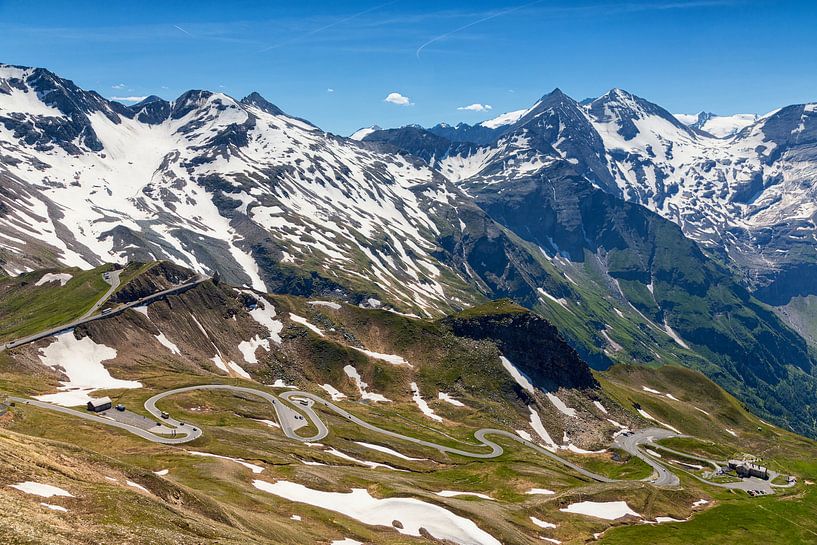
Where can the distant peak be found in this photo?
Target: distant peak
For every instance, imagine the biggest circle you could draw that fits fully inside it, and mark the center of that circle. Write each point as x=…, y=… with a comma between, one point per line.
x=255, y=99
x=555, y=93
x=618, y=92
x=146, y=101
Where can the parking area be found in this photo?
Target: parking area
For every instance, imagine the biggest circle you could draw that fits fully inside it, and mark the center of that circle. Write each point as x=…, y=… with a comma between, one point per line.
x=130, y=418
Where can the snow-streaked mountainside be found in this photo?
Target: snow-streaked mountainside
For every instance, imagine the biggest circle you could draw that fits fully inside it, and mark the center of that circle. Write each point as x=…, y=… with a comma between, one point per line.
x=749, y=197
x=215, y=184
x=550, y=207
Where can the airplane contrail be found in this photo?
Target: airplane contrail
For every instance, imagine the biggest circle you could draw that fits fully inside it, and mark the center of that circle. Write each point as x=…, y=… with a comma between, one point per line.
x=330, y=25
x=183, y=30
x=472, y=23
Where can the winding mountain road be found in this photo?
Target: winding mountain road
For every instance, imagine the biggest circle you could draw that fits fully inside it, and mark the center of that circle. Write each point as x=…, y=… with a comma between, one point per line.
x=291, y=420
x=631, y=442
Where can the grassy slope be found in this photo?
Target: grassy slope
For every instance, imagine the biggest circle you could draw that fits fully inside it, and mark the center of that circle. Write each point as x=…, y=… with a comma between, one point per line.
x=467, y=371
x=26, y=308
x=788, y=517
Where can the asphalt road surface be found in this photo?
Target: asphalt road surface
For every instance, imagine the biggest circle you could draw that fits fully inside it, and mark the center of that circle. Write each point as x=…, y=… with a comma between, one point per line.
x=183, y=434
x=630, y=443
x=113, y=280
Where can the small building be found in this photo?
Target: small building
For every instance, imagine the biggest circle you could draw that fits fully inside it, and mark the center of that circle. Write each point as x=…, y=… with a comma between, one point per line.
x=99, y=405
x=748, y=469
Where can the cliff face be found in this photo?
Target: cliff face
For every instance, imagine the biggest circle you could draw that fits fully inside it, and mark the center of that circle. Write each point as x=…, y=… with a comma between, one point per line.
x=530, y=342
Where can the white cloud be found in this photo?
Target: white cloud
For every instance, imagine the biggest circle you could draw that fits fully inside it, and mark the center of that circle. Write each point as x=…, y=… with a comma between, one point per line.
x=118, y=86
x=397, y=98
x=476, y=107
x=330, y=90
x=129, y=99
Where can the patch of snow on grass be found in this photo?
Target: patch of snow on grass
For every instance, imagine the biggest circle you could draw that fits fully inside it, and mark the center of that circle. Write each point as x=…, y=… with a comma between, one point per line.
x=346, y=541
x=252, y=467
x=42, y=490
x=62, y=278
x=560, y=405
x=675, y=337
x=541, y=523
x=578, y=450
x=162, y=472
x=539, y=428
x=248, y=348
x=607, y=510
x=336, y=394
x=661, y=520
x=264, y=314
x=54, y=507
x=600, y=407
x=137, y=486
x=559, y=301
x=650, y=390
x=699, y=503
x=448, y=399
x=412, y=513
x=732, y=433
x=617, y=424
x=230, y=366
x=268, y=423
x=390, y=358
x=520, y=377
x=220, y=363
x=81, y=361
x=648, y=416
x=167, y=343
x=455, y=493
x=422, y=404
x=344, y=456
x=539, y=492
x=304, y=322
x=362, y=387
x=387, y=450
x=524, y=435
x=330, y=304
x=279, y=383
x=238, y=370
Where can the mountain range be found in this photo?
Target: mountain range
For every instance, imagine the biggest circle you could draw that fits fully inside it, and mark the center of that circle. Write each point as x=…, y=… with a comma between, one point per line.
x=642, y=238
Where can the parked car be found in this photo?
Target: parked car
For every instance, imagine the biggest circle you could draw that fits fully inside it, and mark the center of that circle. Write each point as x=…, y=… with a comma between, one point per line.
x=120, y=408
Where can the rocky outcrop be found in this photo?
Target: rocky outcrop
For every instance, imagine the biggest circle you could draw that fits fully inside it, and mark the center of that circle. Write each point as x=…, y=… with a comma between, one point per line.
x=532, y=343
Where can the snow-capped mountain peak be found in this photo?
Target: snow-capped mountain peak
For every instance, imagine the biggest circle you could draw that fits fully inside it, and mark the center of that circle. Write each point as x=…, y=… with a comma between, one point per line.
x=362, y=133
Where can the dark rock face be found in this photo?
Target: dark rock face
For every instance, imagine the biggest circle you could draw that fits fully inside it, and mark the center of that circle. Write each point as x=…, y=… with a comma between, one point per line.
x=462, y=132
x=255, y=99
x=419, y=142
x=153, y=110
x=160, y=277
x=532, y=344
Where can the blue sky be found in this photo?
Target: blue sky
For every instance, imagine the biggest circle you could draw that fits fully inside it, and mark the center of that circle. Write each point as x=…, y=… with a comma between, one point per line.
x=334, y=62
